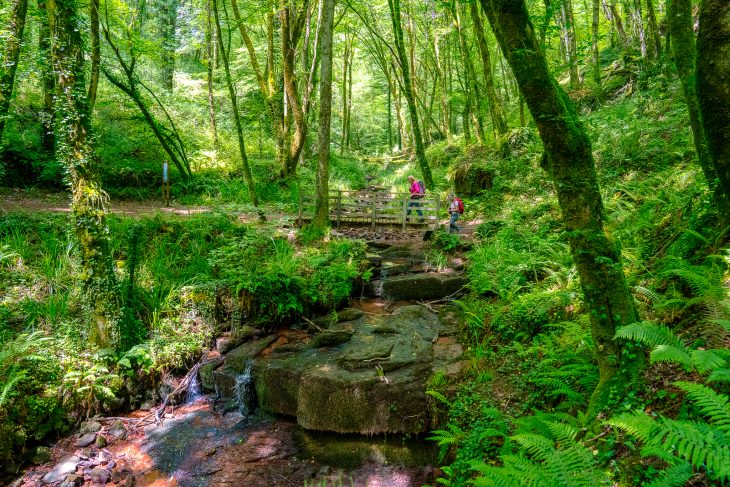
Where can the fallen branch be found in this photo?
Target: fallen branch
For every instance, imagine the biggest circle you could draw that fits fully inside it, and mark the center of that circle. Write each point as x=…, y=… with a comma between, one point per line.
x=183, y=387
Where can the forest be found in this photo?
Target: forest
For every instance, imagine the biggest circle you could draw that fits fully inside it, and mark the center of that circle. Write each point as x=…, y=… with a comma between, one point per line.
x=231, y=251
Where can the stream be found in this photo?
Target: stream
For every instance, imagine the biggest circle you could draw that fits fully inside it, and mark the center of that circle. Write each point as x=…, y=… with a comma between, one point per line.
x=344, y=406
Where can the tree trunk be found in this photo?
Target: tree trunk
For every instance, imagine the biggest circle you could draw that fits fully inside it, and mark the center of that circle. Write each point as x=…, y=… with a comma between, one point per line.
x=567, y=24
x=656, y=41
x=616, y=18
x=210, y=48
x=569, y=162
x=321, y=212
x=594, y=47
x=48, y=134
x=168, y=12
x=291, y=31
x=345, y=60
x=471, y=78
x=496, y=110
x=713, y=88
x=95, y=52
x=10, y=57
x=236, y=116
x=267, y=86
x=395, y=16
x=99, y=283
x=682, y=30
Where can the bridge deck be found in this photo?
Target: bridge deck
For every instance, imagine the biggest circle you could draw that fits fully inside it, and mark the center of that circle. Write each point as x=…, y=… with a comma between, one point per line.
x=375, y=208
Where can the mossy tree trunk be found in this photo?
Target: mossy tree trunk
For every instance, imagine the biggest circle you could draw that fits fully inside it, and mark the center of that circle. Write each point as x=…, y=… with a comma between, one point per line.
x=10, y=56
x=48, y=135
x=682, y=32
x=496, y=110
x=236, y=115
x=77, y=155
x=569, y=162
x=321, y=212
x=472, y=88
x=395, y=16
x=713, y=85
x=95, y=52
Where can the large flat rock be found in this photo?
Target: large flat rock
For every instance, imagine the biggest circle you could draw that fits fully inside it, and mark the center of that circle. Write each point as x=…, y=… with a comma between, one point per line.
x=365, y=376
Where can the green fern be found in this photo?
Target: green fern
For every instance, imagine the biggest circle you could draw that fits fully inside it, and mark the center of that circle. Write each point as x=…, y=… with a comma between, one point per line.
x=715, y=407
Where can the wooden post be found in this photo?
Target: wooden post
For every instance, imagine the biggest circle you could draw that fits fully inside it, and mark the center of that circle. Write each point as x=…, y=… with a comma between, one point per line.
x=438, y=211
x=374, y=196
x=339, y=207
x=405, y=210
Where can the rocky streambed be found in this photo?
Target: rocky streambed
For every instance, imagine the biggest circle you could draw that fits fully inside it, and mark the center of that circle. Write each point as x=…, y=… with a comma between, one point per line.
x=339, y=401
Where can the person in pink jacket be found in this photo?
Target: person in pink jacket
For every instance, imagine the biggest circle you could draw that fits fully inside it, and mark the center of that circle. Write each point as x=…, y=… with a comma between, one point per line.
x=416, y=191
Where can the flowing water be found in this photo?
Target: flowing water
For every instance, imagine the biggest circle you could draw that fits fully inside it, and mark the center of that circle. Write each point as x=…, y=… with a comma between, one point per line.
x=244, y=392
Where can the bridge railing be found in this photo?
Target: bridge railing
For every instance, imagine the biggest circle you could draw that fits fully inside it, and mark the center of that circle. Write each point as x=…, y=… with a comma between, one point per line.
x=374, y=208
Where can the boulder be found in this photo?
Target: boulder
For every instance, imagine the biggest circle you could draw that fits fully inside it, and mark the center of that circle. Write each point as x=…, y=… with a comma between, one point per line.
x=421, y=286
x=117, y=430
x=65, y=466
x=228, y=342
x=89, y=427
x=206, y=373
x=237, y=358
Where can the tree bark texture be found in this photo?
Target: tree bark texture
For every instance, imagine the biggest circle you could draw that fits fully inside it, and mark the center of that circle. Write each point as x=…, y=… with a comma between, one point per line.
x=682, y=31
x=95, y=52
x=236, y=115
x=321, y=212
x=569, y=162
x=472, y=90
x=210, y=47
x=496, y=110
x=99, y=284
x=10, y=57
x=48, y=135
x=395, y=16
x=713, y=84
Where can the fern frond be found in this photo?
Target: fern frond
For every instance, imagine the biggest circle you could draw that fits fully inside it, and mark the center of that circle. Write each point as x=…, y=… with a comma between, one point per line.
x=668, y=353
x=492, y=476
x=636, y=424
x=674, y=476
x=650, y=334
x=536, y=445
x=562, y=433
x=723, y=323
x=706, y=360
x=714, y=406
x=697, y=443
x=647, y=295
x=719, y=375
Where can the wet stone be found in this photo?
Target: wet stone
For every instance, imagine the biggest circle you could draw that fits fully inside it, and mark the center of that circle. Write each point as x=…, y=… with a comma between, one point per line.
x=66, y=466
x=100, y=476
x=86, y=440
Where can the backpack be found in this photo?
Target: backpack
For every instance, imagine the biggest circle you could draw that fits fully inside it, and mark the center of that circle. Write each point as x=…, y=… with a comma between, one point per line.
x=461, y=206
x=421, y=189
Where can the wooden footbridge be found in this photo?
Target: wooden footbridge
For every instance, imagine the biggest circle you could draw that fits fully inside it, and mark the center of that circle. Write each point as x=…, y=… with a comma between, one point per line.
x=374, y=208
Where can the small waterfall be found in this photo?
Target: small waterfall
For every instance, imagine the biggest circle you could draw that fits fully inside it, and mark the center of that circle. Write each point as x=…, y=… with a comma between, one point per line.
x=244, y=392
x=194, y=390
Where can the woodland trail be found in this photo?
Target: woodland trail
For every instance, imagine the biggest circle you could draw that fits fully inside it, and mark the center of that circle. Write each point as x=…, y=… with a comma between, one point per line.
x=56, y=202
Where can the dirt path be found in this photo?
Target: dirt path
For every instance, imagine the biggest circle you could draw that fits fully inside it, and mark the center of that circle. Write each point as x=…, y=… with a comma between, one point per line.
x=21, y=201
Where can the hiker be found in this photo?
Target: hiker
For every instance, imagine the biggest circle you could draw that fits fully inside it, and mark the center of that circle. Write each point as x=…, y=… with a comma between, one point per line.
x=417, y=191
x=456, y=209
x=165, y=184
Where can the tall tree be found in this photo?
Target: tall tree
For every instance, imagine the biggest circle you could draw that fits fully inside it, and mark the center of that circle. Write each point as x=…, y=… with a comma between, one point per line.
x=167, y=12
x=76, y=153
x=682, y=32
x=568, y=160
x=48, y=135
x=395, y=16
x=210, y=52
x=321, y=212
x=10, y=56
x=236, y=115
x=713, y=87
x=95, y=52
x=496, y=110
